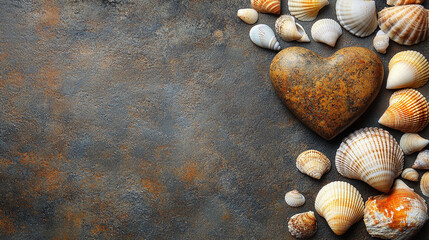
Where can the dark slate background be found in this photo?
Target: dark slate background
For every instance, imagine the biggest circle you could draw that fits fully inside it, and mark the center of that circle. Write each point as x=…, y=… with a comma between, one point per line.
x=126, y=119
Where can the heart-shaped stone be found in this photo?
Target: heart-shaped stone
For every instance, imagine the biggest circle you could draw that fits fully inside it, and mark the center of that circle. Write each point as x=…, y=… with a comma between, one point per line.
x=327, y=94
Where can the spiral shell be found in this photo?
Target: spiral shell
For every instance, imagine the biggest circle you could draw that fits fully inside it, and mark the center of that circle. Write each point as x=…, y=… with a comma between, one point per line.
x=266, y=6
x=289, y=30
x=422, y=160
x=406, y=25
x=306, y=10
x=412, y=142
x=303, y=225
x=357, y=16
x=381, y=42
x=371, y=155
x=407, y=69
x=294, y=198
x=340, y=204
x=408, y=111
x=403, y=2
x=263, y=36
x=397, y=215
x=313, y=163
x=248, y=15
x=410, y=174
x=424, y=184
x=326, y=31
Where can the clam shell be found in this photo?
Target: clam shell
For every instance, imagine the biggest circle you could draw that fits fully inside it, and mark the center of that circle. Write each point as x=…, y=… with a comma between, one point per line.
x=357, y=16
x=294, y=198
x=424, y=184
x=306, y=10
x=406, y=25
x=422, y=160
x=412, y=142
x=397, y=215
x=371, y=155
x=381, y=42
x=289, y=30
x=403, y=2
x=408, y=111
x=248, y=15
x=326, y=31
x=263, y=36
x=407, y=69
x=266, y=6
x=410, y=174
x=303, y=225
x=313, y=163
x=340, y=204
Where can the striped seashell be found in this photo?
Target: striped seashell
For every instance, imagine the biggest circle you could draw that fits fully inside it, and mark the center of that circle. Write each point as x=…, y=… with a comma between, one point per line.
x=403, y=2
x=412, y=142
x=408, y=111
x=306, y=10
x=266, y=6
x=289, y=30
x=410, y=174
x=294, y=198
x=371, y=155
x=407, y=69
x=326, y=31
x=313, y=163
x=381, y=42
x=422, y=160
x=303, y=225
x=263, y=36
x=248, y=15
x=340, y=204
x=357, y=16
x=424, y=184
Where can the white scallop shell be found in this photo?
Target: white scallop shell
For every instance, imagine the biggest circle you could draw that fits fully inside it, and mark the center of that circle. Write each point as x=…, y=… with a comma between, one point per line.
x=303, y=225
x=263, y=36
x=357, y=16
x=313, y=163
x=248, y=15
x=326, y=31
x=407, y=69
x=306, y=10
x=381, y=42
x=294, y=198
x=410, y=174
x=422, y=160
x=412, y=142
x=424, y=184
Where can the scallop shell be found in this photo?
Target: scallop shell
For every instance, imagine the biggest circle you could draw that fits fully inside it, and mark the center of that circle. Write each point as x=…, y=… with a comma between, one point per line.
x=313, y=163
x=408, y=111
x=303, y=225
x=412, y=142
x=248, y=15
x=306, y=10
x=357, y=16
x=266, y=6
x=403, y=2
x=371, y=155
x=340, y=204
x=294, y=198
x=410, y=174
x=263, y=36
x=424, y=184
x=406, y=25
x=289, y=30
x=422, y=160
x=397, y=215
x=326, y=31
x=381, y=42
x=407, y=69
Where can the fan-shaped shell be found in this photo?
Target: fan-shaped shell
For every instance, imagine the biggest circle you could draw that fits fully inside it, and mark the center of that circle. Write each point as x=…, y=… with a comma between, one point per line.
x=263, y=36
x=294, y=198
x=357, y=16
x=266, y=6
x=313, y=163
x=303, y=225
x=289, y=30
x=306, y=10
x=340, y=204
x=408, y=111
x=381, y=42
x=248, y=15
x=407, y=69
x=406, y=25
x=412, y=142
x=424, y=184
x=410, y=174
x=422, y=160
x=326, y=31
x=397, y=215
x=371, y=155
x=403, y=2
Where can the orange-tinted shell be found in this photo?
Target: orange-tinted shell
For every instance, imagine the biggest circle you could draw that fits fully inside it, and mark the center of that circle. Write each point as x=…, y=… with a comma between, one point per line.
x=266, y=6
x=424, y=184
x=303, y=225
x=403, y=2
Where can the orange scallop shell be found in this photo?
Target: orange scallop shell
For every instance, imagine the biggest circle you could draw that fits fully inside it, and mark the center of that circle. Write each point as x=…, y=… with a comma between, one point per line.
x=266, y=6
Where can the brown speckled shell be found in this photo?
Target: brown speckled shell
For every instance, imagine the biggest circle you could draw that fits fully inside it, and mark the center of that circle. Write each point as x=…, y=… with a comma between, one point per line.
x=303, y=225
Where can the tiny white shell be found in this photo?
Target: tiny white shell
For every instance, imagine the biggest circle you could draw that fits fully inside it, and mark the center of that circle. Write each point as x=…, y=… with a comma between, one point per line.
x=410, y=174
x=248, y=15
x=412, y=142
x=326, y=31
x=424, y=184
x=263, y=36
x=422, y=160
x=294, y=198
x=381, y=42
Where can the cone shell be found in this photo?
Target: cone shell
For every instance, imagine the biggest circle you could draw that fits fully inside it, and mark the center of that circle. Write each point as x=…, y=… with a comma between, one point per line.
x=294, y=198
x=371, y=155
x=326, y=31
x=424, y=184
x=357, y=16
x=407, y=69
x=313, y=163
x=412, y=142
x=408, y=111
x=403, y=2
x=266, y=6
x=381, y=42
x=301, y=30
x=289, y=30
x=340, y=204
x=397, y=215
x=422, y=160
x=248, y=15
x=263, y=36
x=303, y=225
x=306, y=10
x=410, y=174
x=406, y=25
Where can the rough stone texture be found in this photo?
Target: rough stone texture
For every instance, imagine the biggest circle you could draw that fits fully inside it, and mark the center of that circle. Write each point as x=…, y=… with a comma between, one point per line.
x=126, y=119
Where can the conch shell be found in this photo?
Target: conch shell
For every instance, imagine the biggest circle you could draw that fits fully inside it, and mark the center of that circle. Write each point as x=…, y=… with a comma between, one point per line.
x=381, y=42
x=313, y=163
x=303, y=225
x=306, y=10
x=410, y=174
x=266, y=6
x=294, y=198
x=357, y=16
x=397, y=215
x=248, y=15
x=403, y=2
x=422, y=160
x=424, y=184
x=407, y=69
x=263, y=36
x=289, y=30
x=412, y=142
x=326, y=31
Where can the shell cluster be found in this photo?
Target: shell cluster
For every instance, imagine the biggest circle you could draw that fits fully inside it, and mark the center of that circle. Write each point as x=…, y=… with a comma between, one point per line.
x=326, y=31
x=357, y=16
x=303, y=225
x=263, y=36
x=424, y=184
x=422, y=160
x=266, y=6
x=410, y=174
x=381, y=42
x=412, y=142
x=294, y=198
x=313, y=163
x=306, y=10
x=289, y=30
x=407, y=69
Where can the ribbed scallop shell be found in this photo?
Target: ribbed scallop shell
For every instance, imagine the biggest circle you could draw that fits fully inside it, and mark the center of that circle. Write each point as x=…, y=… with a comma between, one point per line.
x=412, y=142
x=397, y=215
x=422, y=160
x=289, y=30
x=381, y=42
x=424, y=184
x=248, y=15
x=263, y=36
x=410, y=174
x=403, y=2
x=371, y=155
x=326, y=31
x=406, y=25
x=303, y=225
x=266, y=6
x=306, y=10
x=340, y=204
x=294, y=198
x=357, y=16
x=313, y=163
x=407, y=69
x=408, y=111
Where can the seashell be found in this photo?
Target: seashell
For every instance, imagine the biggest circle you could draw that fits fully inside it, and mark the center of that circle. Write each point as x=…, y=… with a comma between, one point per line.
x=422, y=160
x=301, y=30
x=357, y=16
x=407, y=69
x=340, y=204
x=326, y=31
x=410, y=174
x=303, y=225
x=294, y=198
x=288, y=30
x=313, y=163
x=371, y=155
x=306, y=10
x=412, y=142
x=263, y=36
x=424, y=184
x=406, y=25
x=408, y=111
x=248, y=15
x=403, y=2
x=381, y=42
x=266, y=6
x=397, y=215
